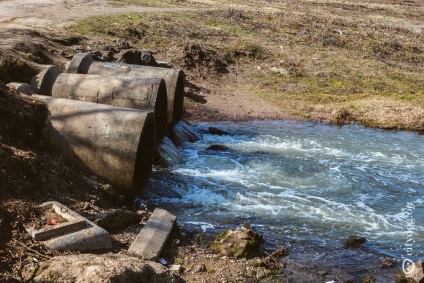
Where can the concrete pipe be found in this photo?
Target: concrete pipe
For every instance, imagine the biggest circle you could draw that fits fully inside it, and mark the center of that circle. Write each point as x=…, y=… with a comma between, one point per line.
x=83, y=63
x=134, y=93
x=114, y=143
x=43, y=82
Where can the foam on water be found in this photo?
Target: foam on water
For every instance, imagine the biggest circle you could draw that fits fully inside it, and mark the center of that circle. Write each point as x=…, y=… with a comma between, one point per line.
x=304, y=182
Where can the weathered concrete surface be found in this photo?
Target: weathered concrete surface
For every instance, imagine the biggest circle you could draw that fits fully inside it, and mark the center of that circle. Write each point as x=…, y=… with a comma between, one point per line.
x=83, y=63
x=78, y=234
x=115, y=143
x=151, y=240
x=43, y=82
x=104, y=268
x=145, y=94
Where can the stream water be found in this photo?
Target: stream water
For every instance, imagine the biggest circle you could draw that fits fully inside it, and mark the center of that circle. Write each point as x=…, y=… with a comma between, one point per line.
x=307, y=184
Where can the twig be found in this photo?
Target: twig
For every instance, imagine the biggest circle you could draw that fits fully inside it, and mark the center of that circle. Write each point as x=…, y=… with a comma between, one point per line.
x=34, y=251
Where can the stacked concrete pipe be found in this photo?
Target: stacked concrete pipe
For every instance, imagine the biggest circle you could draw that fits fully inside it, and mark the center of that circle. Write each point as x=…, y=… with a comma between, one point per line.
x=83, y=63
x=137, y=93
x=112, y=142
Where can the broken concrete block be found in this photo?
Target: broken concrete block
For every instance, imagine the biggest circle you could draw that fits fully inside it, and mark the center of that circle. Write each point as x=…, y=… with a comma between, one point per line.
x=71, y=232
x=151, y=240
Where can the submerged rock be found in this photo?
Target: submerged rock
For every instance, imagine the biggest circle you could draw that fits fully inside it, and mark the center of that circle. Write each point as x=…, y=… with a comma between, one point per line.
x=368, y=279
x=218, y=147
x=240, y=242
x=355, y=241
x=216, y=131
x=103, y=268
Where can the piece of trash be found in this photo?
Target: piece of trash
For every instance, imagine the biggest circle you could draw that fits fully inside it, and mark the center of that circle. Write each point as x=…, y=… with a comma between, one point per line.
x=53, y=221
x=332, y=281
x=163, y=261
x=34, y=259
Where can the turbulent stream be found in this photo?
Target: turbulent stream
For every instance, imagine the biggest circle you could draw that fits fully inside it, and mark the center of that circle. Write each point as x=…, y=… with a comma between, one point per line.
x=307, y=184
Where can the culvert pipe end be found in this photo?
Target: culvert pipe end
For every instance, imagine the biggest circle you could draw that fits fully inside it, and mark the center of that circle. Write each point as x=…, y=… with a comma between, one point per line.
x=44, y=81
x=114, y=143
x=83, y=63
x=136, y=93
x=161, y=109
x=145, y=153
x=80, y=63
x=178, y=106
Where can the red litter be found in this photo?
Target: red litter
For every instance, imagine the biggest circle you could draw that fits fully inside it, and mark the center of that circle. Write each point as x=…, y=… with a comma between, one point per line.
x=53, y=221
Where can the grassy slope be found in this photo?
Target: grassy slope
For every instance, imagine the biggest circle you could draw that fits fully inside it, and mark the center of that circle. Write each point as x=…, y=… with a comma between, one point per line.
x=341, y=61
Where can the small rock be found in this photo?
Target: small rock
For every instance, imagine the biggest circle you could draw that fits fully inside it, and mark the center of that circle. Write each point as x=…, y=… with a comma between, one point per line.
x=386, y=262
x=201, y=268
x=122, y=44
x=218, y=147
x=216, y=131
x=246, y=225
x=239, y=243
x=97, y=55
x=87, y=206
x=147, y=59
x=368, y=279
x=21, y=87
x=416, y=272
x=355, y=241
x=278, y=70
x=262, y=272
x=3, y=171
x=107, y=56
x=258, y=67
x=130, y=56
x=175, y=268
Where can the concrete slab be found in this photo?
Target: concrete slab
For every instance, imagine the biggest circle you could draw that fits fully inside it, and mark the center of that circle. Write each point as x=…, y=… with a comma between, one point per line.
x=151, y=240
x=77, y=233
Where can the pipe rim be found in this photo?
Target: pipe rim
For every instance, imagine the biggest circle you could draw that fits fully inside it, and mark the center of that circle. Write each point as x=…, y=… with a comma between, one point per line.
x=145, y=152
x=178, y=108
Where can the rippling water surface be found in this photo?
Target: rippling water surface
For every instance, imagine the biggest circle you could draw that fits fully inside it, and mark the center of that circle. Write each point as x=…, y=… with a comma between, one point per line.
x=304, y=183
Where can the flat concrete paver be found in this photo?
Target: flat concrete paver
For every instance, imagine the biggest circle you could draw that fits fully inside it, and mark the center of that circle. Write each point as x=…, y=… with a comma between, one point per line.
x=151, y=240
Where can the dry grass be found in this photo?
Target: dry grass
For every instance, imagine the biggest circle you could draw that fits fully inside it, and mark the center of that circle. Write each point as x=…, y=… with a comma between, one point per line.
x=334, y=54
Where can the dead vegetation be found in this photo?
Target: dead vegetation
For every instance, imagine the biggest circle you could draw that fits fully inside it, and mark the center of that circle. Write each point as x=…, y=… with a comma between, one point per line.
x=333, y=59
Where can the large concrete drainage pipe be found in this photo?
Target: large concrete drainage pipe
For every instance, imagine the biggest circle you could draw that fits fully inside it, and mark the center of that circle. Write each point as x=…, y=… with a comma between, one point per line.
x=114, y=143
x=83, y=63
x=117, y=91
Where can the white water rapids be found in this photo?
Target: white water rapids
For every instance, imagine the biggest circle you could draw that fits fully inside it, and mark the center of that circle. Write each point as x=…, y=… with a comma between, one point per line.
x=309, y=184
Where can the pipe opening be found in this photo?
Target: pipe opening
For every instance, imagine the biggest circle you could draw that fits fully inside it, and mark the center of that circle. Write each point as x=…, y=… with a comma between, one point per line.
x=161, y=110
x=145, y=152
x=179, y=98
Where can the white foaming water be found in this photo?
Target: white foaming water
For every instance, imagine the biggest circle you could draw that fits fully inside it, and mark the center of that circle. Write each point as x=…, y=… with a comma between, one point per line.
x=304, y=182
